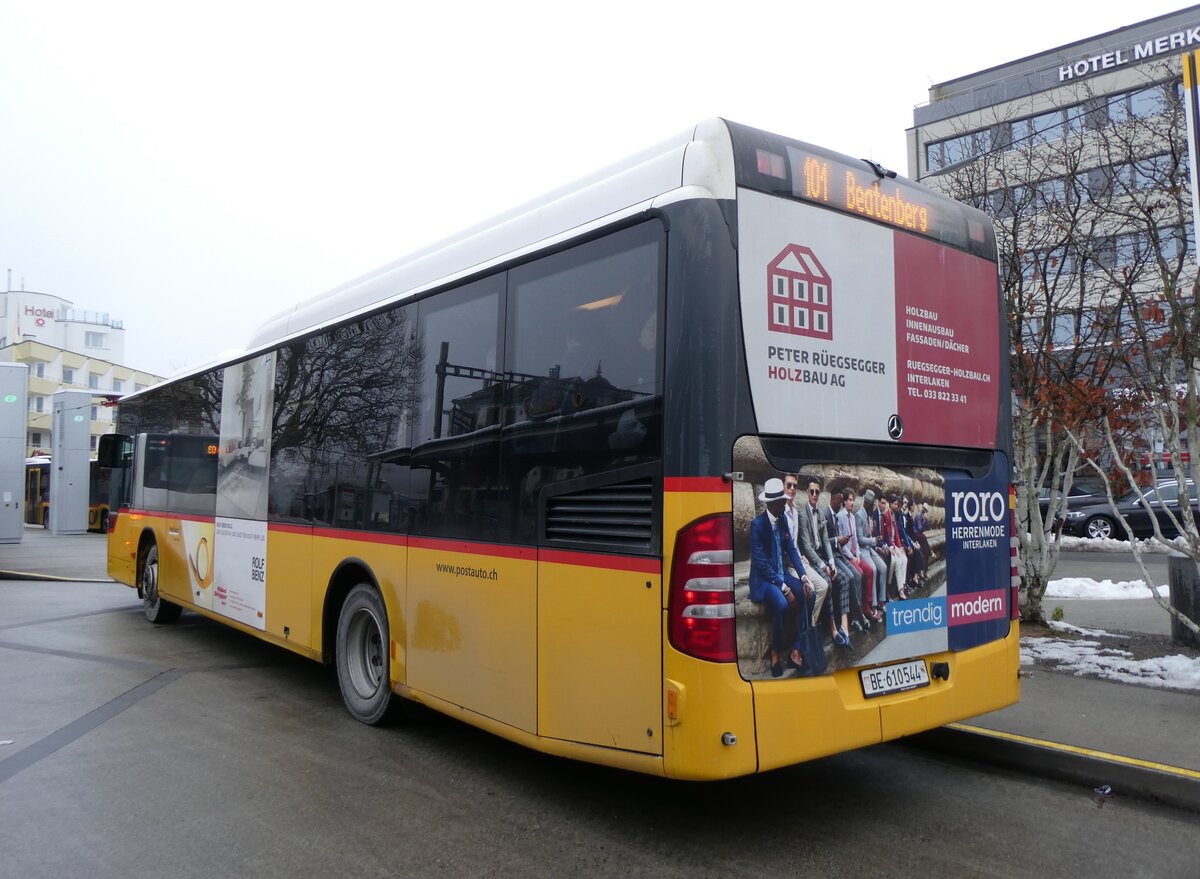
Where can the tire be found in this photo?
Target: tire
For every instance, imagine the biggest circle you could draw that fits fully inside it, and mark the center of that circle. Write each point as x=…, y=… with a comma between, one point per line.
x=1100, y=527
x=158, y=609
x=362, y=656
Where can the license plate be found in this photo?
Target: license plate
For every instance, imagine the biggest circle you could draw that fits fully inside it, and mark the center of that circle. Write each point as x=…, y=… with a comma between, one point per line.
x=894, y=678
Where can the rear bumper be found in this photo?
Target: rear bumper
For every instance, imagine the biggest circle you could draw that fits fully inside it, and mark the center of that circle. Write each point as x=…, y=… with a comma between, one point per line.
x=813, y=717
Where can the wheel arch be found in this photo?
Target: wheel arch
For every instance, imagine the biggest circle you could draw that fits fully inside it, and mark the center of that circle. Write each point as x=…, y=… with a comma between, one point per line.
x=348, y=574
x=146, y=540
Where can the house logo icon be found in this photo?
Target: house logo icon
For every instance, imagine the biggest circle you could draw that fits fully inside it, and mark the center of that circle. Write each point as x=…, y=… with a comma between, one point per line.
x=799, y=294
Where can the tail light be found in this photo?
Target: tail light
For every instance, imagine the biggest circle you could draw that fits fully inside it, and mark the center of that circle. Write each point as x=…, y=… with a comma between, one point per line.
x=1014, y=600
x=700, y=603
x=112, y=521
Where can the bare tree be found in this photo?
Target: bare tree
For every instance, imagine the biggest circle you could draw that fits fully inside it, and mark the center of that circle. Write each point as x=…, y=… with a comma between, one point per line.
x=1146, y=266
x=1092, y=210
x=1031, y=186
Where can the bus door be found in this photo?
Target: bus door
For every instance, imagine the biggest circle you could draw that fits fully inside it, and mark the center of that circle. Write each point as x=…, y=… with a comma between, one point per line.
x=178, y=475
x=99, y=487
x=37, y=494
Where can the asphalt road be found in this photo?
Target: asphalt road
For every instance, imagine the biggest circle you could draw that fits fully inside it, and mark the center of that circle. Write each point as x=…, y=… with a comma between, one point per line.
x=192, y=750
x=1115, y=566
x=1135, y=615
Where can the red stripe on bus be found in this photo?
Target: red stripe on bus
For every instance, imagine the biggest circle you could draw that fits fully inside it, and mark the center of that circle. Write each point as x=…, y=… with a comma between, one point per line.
x=555, y=556
x=289, y=529
x=695, y=483
x=495, y=549
x=342, y=533
x=598, y=560
x=183, y=517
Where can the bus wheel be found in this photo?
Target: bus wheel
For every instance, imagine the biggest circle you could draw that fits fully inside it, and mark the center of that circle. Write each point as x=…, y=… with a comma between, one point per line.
x=158, y=609
x=362, y=655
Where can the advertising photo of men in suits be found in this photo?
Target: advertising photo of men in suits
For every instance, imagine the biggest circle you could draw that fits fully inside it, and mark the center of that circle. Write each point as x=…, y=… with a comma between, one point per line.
x=784, y=596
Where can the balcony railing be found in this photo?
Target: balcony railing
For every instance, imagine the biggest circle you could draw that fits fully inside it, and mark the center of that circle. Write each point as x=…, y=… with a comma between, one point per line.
x=100, y=318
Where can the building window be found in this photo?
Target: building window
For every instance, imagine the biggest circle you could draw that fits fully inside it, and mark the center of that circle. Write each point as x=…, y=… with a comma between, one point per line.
x=1156, y=172
x=118, y=385
x=956, y=149
x=1100, y=182
x=40, y=370
x=1140, y=104
x=93, y=340
x=138, y=386
x=1148, y=102
x=95, y=413
x=93, y=381
x=1064, y=332
x=68, y=376
x=94, y=443
x=39, y=404
x=35, y=438
x=1051, y=192
x=1047, y=127
x=1035, y=129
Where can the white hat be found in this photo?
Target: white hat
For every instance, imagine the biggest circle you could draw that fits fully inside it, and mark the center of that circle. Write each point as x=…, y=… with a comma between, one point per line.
x=772, y=491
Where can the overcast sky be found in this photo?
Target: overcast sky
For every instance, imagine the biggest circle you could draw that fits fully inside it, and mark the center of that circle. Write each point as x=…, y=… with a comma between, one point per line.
x=194, y=168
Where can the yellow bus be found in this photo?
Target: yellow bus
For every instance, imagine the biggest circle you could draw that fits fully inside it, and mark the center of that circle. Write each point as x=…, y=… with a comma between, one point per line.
x=37, y=493
x=526, y=476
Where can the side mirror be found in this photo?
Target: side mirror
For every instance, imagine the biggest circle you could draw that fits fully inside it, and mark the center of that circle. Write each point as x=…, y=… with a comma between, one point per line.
x=115, y=450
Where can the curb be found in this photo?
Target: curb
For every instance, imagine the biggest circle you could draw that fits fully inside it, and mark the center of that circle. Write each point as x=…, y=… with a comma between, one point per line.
x=51, y=578
x=1127, y=776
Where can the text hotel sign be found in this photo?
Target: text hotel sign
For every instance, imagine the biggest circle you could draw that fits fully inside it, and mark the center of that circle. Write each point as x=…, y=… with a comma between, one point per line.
x=1171, y=42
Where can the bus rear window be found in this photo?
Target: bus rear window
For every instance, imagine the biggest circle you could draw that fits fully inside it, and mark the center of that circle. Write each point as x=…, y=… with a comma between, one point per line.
x=182, y=463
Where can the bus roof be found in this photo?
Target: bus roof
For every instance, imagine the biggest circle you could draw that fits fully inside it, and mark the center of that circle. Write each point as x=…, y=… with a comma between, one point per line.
x=697, y=163
x=699, y=157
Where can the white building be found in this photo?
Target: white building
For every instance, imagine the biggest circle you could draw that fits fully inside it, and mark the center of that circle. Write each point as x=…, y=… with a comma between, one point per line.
x=65, y=348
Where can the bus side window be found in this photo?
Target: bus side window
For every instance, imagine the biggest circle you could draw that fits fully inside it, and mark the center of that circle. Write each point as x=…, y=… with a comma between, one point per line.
x=456, y=440
x=332, y=449
x=583, y=362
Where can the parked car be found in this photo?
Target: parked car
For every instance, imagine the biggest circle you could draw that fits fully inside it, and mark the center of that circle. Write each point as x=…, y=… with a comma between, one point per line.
x=1097, y=519
x=1077, y=497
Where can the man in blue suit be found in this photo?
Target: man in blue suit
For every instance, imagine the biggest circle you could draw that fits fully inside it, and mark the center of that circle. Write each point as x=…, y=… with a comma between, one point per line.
x=772, y=551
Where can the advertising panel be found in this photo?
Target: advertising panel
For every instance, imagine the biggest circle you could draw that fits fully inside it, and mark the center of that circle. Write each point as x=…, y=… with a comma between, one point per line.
x=240, y=529
x=848, y=565
x=858, y=330
x=198, y=544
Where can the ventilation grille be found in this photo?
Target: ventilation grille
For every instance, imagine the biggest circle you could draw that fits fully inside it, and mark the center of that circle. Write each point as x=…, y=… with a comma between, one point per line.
x=610, y=515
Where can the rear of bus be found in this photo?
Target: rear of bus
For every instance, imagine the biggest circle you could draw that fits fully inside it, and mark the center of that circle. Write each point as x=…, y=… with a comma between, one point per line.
x=864, y=350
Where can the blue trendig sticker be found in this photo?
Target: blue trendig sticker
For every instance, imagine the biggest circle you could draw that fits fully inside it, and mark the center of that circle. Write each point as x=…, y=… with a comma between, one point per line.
x=916, y=615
